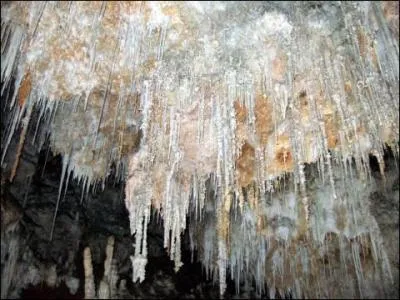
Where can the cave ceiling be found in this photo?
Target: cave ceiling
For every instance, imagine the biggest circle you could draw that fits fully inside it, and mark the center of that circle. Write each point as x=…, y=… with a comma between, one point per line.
x=207, y=108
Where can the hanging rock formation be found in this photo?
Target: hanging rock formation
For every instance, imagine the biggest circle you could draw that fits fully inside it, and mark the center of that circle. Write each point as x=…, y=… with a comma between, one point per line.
x=254, y=123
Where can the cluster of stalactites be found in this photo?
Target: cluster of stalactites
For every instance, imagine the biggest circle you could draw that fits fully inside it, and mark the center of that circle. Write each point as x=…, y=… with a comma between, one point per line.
x=237, y=102
x=271, y=243
x=245, y=130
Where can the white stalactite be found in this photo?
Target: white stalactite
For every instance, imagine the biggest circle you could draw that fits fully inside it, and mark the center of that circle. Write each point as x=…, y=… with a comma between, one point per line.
x=206, y=98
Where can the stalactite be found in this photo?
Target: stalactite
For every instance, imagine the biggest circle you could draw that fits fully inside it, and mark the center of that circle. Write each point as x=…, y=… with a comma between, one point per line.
x=25, y=124
x=217, y=112
x=64, y=170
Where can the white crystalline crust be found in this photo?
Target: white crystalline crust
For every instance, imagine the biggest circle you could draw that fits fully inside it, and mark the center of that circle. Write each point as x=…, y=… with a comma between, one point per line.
x=224, y=94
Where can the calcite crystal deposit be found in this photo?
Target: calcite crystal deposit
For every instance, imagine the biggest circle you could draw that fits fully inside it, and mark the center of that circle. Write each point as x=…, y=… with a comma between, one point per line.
x=216, y=110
